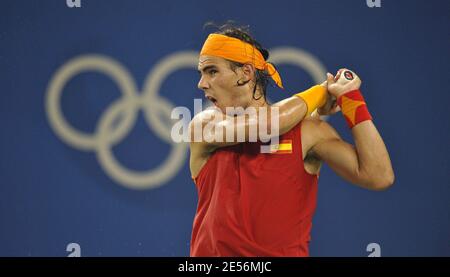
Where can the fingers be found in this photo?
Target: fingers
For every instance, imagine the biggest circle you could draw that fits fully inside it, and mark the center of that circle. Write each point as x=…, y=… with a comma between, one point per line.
x=338, y=74
x=324, y=111
x=330, y=79
x=337, y=77
x=347, y=74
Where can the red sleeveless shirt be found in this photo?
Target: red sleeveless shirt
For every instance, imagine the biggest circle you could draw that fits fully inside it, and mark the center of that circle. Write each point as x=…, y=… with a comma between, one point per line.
x=255, y=204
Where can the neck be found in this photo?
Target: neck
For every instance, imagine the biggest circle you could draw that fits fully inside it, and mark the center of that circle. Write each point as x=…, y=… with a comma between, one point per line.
x=261, y=102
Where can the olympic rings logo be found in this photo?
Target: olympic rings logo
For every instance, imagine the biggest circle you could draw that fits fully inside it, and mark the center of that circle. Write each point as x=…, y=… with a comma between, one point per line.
x=107, y=134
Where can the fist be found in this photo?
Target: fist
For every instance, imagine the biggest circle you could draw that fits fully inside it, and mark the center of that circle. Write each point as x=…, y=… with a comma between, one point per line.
x=344, y=81
x=330, y=107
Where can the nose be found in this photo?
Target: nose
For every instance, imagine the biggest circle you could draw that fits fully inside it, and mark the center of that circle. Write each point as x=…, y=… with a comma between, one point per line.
x=202, y=84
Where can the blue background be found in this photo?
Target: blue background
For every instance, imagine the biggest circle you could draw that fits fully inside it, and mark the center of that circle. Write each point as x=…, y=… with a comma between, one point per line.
x=52, y=194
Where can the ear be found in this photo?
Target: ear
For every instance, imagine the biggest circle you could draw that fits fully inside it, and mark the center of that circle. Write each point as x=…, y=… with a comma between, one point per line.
x=249, y=71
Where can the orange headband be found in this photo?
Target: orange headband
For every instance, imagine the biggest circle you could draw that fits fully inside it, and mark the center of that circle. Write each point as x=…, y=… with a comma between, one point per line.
x=234, y=49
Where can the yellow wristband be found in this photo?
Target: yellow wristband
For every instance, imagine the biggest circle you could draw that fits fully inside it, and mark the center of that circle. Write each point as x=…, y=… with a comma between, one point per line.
x=314, y=97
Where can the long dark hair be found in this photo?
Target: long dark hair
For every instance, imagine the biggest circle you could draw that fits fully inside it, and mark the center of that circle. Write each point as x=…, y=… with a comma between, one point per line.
x=230, y=29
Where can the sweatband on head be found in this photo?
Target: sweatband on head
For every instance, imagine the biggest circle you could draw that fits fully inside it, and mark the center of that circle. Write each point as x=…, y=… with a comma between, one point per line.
x=236, y=50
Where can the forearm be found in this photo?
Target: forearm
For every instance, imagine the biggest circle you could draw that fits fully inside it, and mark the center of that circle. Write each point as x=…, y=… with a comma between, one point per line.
x=276, y=119
x=291, y=111
x=264, y=122
x=374, y=164
x=310, y=100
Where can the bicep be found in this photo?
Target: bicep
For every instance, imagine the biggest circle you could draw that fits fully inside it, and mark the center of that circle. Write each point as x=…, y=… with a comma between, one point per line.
x=338, y=154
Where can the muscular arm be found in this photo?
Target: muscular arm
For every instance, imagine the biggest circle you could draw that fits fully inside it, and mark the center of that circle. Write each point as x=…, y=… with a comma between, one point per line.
x=208, y=134
x=366, y=164
x=207, y=131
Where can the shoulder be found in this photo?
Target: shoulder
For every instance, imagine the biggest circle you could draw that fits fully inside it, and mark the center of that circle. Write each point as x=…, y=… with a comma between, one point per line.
x=205, y=116
x=197, y=129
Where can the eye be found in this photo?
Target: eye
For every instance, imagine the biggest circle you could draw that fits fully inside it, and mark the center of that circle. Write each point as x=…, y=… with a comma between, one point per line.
x=212, y=72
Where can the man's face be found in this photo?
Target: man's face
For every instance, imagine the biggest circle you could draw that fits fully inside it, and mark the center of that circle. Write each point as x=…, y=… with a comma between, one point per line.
x=219, y=83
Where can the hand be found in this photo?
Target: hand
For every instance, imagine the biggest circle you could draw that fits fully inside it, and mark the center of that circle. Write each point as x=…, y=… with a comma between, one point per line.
x=345, y=81
x=330, y=107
